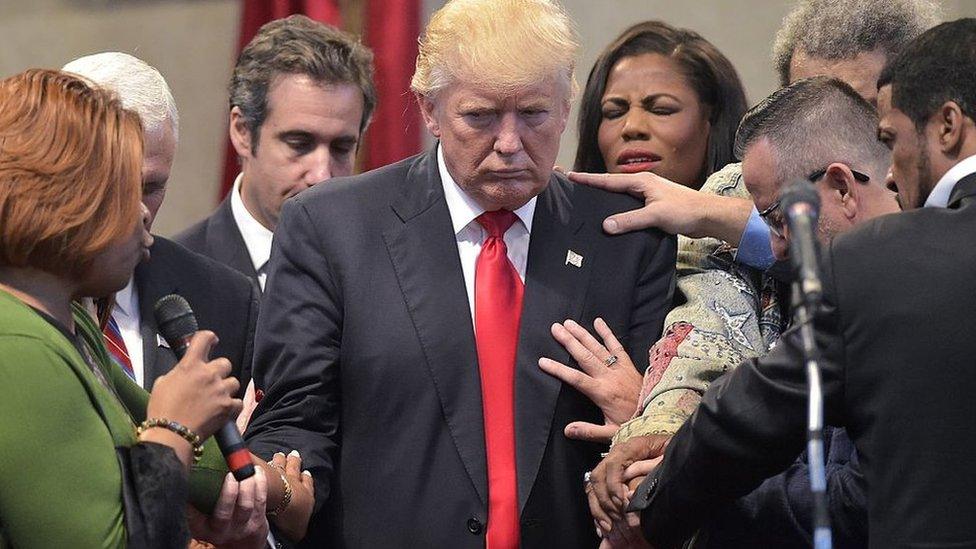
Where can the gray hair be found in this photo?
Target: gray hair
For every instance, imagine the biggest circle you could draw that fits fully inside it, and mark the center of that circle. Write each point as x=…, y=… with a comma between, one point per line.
x=139, y=86
x=812, y=123
x=842, y=29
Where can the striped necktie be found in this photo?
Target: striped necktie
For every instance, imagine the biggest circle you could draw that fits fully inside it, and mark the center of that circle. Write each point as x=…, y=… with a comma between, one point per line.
x=116, y=347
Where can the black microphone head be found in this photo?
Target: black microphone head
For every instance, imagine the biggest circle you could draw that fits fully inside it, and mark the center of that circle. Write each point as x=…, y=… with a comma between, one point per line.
x=800, y=191
x=175, y=318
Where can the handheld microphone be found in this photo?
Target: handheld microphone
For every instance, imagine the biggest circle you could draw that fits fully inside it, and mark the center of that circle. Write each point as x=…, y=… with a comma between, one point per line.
x=177, y=324
x=801, y=207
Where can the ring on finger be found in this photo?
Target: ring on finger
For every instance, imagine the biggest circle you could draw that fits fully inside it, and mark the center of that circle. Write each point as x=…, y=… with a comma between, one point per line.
x=587, y=477
x=274, y=465
x=610, y=360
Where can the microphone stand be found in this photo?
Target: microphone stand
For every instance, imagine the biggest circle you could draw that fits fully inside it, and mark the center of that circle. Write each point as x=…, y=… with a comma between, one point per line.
x=805, y=304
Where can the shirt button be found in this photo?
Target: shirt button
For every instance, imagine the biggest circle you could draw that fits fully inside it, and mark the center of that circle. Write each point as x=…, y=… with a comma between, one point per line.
x=474, y=526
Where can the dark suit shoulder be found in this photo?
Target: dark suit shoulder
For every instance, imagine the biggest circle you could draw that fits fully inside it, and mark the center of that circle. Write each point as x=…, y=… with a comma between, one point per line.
x=194, y=237
x=888, y=238
x=594, y=205
x=369, y=188
x=171, y=259
x=596, y=200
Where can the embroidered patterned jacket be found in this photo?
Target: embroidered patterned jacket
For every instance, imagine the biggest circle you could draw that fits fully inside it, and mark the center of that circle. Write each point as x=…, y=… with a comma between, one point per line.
x=730, y=313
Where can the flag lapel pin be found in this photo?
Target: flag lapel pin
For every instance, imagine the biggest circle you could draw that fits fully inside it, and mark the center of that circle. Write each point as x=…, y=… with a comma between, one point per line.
x=574, y=259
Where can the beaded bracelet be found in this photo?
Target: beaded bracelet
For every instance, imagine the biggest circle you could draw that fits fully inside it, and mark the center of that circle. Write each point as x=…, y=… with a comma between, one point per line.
x=286, y=498
x=178, y=428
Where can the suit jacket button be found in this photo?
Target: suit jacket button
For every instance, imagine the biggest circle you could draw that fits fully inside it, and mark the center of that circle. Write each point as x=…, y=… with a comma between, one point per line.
x=475, y=526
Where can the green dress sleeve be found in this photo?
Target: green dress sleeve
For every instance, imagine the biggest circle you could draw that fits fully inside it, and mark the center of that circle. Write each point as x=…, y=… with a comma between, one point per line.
x=60, y=484
x=207, y=476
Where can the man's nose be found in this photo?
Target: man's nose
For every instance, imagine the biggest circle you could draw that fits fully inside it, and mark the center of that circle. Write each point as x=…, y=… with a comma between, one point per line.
x=145, y=215
x=147, y=239
x=320, y=168
x=890, y=182
x=509, y=138
x=781, y=244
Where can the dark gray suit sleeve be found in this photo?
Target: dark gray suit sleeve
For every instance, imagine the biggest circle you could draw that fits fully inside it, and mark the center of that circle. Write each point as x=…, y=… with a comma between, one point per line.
x=780, y=512
x=296, y=361
x=750, y=425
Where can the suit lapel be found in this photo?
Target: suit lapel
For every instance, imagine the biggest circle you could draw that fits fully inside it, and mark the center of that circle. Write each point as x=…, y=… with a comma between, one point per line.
x=225, y=243
x=965, y=187
x=423, y=249
x=151, y=284
x=554, y=290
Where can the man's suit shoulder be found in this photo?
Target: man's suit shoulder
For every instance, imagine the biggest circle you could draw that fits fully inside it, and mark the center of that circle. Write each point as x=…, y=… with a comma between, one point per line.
x=197, y=236
x=374, y=188
x=887, y=232
x=194, y=237
x=594, y=205
x=595, y=201
x=173, y=259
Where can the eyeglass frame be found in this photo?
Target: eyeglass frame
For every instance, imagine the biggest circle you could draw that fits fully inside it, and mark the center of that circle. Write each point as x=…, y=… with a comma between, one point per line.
x=777, y=223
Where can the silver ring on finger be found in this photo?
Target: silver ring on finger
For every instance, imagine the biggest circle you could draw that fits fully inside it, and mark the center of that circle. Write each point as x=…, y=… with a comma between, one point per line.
x=610, y=360
x=586, y=477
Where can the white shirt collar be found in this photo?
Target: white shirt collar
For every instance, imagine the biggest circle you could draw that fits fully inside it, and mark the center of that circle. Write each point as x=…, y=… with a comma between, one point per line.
x=126, y=300
x=465, y=209
x=939, y=197
x=257, y=237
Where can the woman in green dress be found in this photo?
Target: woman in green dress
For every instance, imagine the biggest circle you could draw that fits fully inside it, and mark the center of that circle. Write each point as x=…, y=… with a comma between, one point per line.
x=74, y=469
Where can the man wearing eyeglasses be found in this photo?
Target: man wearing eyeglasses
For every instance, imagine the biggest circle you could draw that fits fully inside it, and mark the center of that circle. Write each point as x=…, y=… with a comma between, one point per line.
x=896, y=333
x=820, y=130
x=840, y=155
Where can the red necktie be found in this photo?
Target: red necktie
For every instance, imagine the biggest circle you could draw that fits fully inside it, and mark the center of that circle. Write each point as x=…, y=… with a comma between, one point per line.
x=497, y=309
x=116, y=347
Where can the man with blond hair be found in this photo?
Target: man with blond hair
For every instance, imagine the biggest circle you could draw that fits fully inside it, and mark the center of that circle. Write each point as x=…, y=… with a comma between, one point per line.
x=407, y=308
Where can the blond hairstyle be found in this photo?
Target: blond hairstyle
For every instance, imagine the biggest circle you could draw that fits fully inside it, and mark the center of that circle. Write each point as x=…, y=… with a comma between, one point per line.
x=499, y=45
x=70, y=171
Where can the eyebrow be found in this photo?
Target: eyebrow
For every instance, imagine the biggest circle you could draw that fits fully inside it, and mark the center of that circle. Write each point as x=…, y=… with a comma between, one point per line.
x=646, y=99
x=350, y=138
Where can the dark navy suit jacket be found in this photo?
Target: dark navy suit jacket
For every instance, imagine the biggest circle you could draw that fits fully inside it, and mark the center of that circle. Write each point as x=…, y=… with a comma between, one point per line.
x=366, y=353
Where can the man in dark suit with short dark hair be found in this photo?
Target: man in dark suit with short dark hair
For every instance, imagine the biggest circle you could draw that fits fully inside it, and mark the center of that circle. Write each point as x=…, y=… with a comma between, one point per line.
x=898, y=338
x=407, y=308
x=301, y=97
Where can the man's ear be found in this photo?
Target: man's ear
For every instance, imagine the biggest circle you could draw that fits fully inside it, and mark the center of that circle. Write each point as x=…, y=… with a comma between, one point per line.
x=240, y=135
x=427, y=108
x=843, y=187
x=949, y=121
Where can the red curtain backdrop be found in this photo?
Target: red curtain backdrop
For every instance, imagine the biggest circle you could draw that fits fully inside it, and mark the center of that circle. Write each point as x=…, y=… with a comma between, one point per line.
x=254, y=14
x=392, y=27
x=391, y=30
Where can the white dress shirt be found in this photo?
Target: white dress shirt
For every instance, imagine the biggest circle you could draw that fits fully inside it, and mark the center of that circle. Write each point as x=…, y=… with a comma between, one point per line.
x=939, y=197
x=126, y=315
x=470, y=234
x=257, y=237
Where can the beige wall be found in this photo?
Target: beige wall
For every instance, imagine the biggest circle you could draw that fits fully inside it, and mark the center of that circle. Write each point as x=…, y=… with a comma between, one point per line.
x=192, y=43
